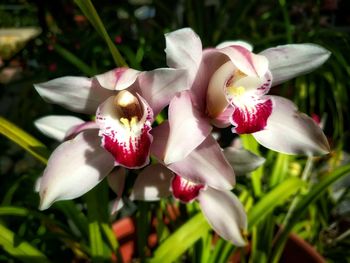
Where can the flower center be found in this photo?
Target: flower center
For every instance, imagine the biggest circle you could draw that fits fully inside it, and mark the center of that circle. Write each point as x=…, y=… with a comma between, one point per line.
x=128, y=108
x=236, y=91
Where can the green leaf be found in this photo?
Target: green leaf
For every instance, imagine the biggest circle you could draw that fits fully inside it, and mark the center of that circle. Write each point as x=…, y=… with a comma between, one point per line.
x=23, y=139
x=280, y=169
x=13, y=211
x=23, y=251
x=96, y=216
x=71, y=211
x=73, y=59
x=249, y=143
x=274, y=198
x=89, y=11
x=303, y=204
x=184, y=238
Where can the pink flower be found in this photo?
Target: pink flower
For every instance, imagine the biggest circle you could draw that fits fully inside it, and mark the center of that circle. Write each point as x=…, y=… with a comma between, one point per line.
x=203, y=175
x=125, y=101
x=229, y=84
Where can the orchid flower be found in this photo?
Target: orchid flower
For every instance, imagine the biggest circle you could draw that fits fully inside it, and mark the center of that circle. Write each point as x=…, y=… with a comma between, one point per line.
x=125, y=101
x=79, y=138
x=203, y=175
x=229, y=84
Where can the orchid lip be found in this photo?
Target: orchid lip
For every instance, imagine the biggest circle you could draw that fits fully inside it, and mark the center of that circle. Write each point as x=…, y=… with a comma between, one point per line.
x=125, y=122
x=185, y=190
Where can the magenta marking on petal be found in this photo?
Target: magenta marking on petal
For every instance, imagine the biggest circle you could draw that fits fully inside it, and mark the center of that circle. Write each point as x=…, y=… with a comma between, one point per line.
x=252, y=118
x=265, y=87
x=185, y=190
x=131, y=153
x=118, y=72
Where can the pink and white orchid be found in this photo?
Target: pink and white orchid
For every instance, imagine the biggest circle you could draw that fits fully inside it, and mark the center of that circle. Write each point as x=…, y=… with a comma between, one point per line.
x=203, y=175
x=78, y=164
x=229, y=85
x=125, y=101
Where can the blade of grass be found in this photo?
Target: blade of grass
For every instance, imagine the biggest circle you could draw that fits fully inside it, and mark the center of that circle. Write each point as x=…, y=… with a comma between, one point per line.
x=302, y=207
x=275, y=197
x=74, y=60
x=96, y=200
x=22, y=250
x=90, y=12
x=184, y=238
x=23, y=139
x=251, y=144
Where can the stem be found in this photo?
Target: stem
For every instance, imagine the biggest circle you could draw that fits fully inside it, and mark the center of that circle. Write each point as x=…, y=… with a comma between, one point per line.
x=304, y=177
x=90, y=12
x=287, y=24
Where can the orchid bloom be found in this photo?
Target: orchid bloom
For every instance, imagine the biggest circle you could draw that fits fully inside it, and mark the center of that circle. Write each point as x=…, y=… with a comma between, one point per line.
x=199, y=172
x=203, y=175
x=125, y=101
x=78, y=164
x=229, y=84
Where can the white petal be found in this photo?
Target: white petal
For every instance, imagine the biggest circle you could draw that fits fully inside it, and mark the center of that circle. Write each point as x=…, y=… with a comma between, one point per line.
x=246, y=61
x=206, y=165
x=74, y=168
x=56, y=127
x=242, y=43
x=225, y=214
x=118, y=79
x=79, y=128
x=184, y=50
x=289, y=131
x=289, y=61
x=188, y=128
x=152, y=183
x=116, y=181
x=159, y=86
x=242, y=161
x=77, y=94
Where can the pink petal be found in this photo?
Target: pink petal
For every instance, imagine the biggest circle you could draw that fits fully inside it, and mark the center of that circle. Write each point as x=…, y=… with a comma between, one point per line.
x=216, y=98
x=246, y=61
x=77, y=94
x=152, y=184
x=206, y=165
x=72, y=132
x=289, y=131
x=211, y=61
x=242, y=161
x=116, y=181
x=55, y=126
x=223, y=120
x=160, y=139
x=118, y=79
x=159, y=86
x=225, y=214
x=184, y=190
x=129, y=144
x=289, y=61
x=242, y=43
x=74, y=168
x=184, y=51
x=188, y=128
x=252, y=117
